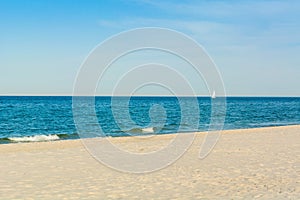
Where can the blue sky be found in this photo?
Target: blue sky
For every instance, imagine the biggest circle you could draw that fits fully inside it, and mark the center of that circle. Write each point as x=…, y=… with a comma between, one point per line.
x=255, y=44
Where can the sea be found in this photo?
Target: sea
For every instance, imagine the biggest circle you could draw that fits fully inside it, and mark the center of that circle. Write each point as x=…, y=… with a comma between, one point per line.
x=47, y=118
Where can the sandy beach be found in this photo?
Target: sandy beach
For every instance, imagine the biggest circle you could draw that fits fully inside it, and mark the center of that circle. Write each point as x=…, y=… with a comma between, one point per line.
x=259, y=163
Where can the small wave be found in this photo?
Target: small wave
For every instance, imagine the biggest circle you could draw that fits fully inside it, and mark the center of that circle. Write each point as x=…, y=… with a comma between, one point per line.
x=141, y=130
x=35, y=138
x=148, y=130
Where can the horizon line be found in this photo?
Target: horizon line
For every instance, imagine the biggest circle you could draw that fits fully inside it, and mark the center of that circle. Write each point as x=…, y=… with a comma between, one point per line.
x=68, y=95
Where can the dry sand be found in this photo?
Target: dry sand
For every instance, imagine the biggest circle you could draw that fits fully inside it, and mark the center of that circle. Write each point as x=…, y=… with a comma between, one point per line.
x=245, y=164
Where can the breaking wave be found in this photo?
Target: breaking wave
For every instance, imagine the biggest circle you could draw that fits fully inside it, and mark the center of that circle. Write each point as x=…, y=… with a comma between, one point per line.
x=142, y=130
x=35, y=138
x=148, y=130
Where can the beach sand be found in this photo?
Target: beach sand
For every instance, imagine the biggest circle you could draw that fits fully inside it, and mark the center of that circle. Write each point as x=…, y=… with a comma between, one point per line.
x=261, y=163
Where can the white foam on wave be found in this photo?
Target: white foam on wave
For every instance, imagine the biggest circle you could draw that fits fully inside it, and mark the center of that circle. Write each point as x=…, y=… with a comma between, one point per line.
x=148, y=130
x=35, y=138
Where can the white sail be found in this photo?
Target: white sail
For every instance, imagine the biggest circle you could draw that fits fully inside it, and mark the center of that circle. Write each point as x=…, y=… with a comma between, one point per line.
x=213, y=96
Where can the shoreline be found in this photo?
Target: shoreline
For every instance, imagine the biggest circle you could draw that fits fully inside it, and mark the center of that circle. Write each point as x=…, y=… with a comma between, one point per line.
x=258, y=163
x=141, y=135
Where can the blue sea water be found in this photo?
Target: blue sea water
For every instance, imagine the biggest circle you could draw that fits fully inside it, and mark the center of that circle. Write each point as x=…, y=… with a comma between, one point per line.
x=24, y=118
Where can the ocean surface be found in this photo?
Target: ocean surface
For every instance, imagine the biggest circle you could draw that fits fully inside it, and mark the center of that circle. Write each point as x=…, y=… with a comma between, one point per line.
x=27, y=119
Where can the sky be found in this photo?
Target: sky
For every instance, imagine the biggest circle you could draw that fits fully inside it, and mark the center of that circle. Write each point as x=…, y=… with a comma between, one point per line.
x=255, y=44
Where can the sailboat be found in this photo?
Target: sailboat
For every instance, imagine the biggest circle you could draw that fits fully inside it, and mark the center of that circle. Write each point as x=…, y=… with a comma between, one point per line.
x=213, y=96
